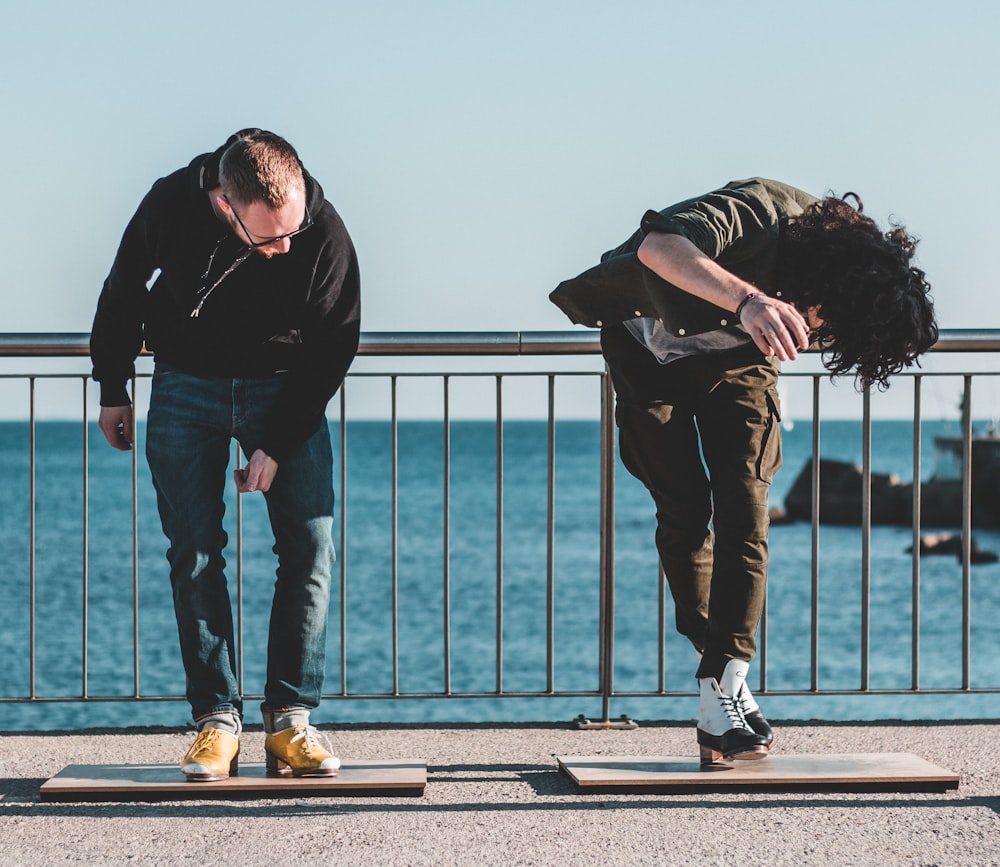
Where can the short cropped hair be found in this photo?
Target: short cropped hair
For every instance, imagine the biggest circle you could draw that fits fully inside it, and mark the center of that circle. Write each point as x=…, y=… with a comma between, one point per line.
x=878, y=317
x=260, y=167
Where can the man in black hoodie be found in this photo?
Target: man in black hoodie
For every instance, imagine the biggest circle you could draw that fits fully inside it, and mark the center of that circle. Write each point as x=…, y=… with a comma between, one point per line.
x=242, y=280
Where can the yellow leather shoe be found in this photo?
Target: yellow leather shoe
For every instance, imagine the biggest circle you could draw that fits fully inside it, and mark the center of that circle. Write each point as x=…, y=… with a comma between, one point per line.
x=213, y=756
x=300, y=751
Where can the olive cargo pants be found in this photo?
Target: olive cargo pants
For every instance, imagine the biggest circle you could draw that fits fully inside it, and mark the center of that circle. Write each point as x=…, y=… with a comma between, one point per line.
x=703, y=435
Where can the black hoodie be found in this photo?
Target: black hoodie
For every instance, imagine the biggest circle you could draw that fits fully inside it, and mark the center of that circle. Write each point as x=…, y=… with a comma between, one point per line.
x=297, y=312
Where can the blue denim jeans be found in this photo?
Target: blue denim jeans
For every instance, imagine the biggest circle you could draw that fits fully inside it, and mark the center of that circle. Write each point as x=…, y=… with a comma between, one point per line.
x=190, y=425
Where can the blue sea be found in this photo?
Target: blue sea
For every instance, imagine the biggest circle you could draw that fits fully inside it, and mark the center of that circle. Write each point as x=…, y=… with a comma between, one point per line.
x=465, y=553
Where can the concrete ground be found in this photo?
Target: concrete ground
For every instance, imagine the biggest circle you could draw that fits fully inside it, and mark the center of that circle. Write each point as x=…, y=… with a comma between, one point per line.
x=495, y=796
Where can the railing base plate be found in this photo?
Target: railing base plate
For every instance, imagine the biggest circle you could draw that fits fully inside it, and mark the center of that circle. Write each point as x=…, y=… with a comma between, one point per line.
x=623, y=722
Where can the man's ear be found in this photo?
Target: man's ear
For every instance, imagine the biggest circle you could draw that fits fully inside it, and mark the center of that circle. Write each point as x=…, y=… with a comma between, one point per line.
x=222, y=203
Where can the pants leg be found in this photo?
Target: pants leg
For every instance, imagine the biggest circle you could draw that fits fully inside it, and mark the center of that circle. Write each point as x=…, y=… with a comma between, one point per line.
x=301, y=511
x=300, y=507
x=187, y=448
x=741, y=442
x=659, y=446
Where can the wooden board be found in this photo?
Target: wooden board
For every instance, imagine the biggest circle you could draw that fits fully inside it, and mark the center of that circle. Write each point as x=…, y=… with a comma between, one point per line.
x=865, y=772
x=166, y=782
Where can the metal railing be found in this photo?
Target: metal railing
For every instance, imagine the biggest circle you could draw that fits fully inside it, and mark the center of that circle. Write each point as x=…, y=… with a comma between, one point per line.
x=591, y=660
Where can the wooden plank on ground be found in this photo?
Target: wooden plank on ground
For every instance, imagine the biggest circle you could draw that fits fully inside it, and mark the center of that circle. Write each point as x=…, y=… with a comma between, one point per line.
x=165, y=782
x=865, y=772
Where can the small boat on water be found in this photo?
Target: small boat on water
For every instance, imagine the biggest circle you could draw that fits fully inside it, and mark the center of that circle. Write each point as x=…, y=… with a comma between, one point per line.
x=985, y=454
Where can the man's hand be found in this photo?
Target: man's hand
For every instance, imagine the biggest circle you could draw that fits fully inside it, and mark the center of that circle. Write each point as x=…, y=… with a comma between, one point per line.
x=115, y=423
x=257, y=475
x=776, y=327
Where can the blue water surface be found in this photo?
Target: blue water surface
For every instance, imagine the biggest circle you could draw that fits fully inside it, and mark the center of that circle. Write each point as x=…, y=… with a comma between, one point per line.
x=492, y=568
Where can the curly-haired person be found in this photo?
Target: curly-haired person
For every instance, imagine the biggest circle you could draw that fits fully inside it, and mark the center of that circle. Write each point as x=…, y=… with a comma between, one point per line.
x=697, y=309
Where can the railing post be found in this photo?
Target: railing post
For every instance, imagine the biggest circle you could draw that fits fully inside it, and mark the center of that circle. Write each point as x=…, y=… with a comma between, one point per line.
x=814, y=540
x=32, y=526
x=499, y=534
x=607, y=556
x=239, y=579
x=866, y=536
x=85, y=553
x=135, y=551
x=607, y=621
x=917, y=503
x=446, y=532
x=343, y=538
x=966, y=531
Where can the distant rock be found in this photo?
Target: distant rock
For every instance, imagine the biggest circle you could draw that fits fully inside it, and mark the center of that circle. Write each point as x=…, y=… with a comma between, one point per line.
x=840, y=486
x=951, y=543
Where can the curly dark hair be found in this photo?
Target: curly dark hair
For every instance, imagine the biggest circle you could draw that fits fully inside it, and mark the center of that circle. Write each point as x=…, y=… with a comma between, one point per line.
x=878, y=317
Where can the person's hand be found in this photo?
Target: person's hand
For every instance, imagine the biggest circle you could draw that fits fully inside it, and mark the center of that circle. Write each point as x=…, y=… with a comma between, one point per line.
x=115, y=423
x=776, y=327
x=257, y=475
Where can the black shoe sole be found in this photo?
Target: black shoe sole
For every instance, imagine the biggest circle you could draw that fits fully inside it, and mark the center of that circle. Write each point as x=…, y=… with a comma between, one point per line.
x=734, y=745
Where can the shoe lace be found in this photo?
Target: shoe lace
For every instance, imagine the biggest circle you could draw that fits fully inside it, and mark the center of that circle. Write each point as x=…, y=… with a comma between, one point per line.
x=205, y=741
x=733, y=709
x=742, y=699
x=312, y=740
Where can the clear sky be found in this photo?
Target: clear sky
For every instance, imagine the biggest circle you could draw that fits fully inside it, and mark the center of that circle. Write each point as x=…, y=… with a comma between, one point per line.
x=480, y=152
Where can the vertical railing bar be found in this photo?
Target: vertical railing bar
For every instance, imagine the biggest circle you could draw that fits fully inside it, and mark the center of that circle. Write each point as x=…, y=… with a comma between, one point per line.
x=135, y=549
x=550, y=541
x=814, y=558
x=967, y=469
x=239, y=577
x=607, y=576
x=446, y=541
x=866, y=533
x=762, y=647
x=395, y=535
x=343, y=538
x=499, y=533
x=31, y=535
x=661, y=642
x=915, y=562
x=84, y=626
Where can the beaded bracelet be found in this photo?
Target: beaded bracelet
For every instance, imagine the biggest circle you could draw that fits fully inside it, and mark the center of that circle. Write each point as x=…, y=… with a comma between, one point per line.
x=744, y=302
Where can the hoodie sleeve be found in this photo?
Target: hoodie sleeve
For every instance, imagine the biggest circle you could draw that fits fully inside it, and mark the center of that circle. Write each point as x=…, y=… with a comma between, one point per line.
x=330, y=336
x=117, y=334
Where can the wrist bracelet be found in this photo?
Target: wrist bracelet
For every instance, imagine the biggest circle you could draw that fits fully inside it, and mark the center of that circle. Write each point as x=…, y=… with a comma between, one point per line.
x=744, y=302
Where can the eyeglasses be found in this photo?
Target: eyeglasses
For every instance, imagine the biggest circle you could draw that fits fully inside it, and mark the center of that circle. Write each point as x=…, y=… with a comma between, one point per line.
x=306, y=223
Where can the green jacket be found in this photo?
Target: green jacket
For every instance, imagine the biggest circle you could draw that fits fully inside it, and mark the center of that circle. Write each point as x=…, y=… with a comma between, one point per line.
x=738, y=226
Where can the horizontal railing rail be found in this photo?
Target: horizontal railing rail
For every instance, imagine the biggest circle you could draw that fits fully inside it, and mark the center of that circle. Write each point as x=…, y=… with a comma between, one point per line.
x=521, y=571
x=582, y=342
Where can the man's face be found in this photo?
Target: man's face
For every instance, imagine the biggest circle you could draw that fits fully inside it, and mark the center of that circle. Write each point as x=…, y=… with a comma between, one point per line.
x=256, y=224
